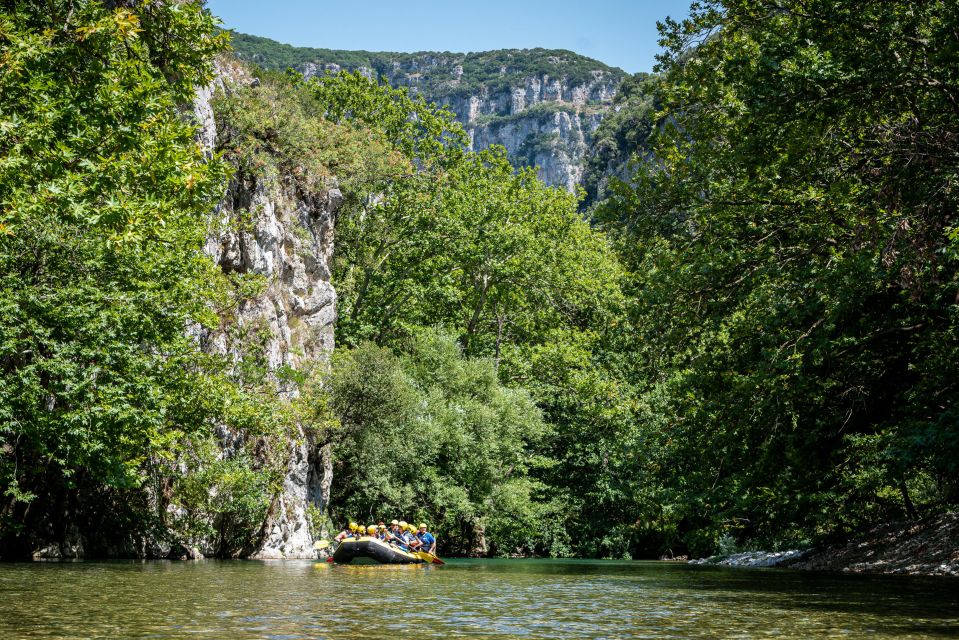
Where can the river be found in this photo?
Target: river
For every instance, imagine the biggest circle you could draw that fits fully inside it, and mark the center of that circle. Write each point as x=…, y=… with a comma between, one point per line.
x=489, y=598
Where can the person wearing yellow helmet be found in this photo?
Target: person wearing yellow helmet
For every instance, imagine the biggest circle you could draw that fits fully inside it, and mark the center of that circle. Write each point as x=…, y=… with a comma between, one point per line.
x=371, y=530
x=345, y=533
x=427, y=539
x=393, y=531
x=408, y=538
x=401, y=538
x=414, y=541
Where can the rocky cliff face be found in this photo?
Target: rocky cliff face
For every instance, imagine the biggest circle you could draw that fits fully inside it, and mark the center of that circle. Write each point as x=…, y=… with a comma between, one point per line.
x=554, y=140
x=288, y=241
x=542, y=105
x=544, y=121
x=290, y=244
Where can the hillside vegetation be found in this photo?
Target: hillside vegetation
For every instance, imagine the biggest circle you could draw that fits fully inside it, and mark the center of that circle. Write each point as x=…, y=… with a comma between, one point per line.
x=442, y=73
x=750, y=339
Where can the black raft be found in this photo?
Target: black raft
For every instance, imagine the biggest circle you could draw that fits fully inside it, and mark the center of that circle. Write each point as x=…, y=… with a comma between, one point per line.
x=366, y=550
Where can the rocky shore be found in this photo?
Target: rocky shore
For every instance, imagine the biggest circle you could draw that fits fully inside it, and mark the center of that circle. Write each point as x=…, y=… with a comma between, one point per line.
x=755, y=559
x=924, y=547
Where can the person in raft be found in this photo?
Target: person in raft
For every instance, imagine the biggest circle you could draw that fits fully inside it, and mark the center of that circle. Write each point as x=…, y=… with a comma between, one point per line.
x=427, y=540
x=403, y=538
x=411, y=540
x=414, y=541
x=345, y=533
x=393, y=531
x=396, y=536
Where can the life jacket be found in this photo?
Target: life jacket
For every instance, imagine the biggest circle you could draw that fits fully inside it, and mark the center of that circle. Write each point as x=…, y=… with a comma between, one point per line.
x=404, y=540
x=427, y=539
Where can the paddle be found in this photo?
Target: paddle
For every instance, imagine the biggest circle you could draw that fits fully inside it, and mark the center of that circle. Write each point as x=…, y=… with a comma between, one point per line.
x=426, y=556
x=323, y=544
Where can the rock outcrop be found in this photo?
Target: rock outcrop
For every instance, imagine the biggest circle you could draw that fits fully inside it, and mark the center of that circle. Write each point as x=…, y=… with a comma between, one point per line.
x=555, y=140
x=287, y=240
x=753, y=559
x=544, y=121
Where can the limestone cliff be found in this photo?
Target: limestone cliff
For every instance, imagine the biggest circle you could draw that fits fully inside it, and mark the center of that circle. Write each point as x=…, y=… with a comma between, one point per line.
x=287, y=240
x=542, y=105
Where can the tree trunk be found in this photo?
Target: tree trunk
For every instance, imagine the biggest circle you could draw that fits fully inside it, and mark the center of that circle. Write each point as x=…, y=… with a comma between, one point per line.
x=910, y=507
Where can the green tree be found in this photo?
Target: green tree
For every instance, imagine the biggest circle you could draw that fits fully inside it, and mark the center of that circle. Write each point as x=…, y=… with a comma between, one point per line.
x=491, y=253
x=793, y=257
x=432, y=435
x=104, y=204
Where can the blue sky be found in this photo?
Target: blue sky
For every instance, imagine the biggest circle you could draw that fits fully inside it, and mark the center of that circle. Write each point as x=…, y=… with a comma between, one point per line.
x=621, y=33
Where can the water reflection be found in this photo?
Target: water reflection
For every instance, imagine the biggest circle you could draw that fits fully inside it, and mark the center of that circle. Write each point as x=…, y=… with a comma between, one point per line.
x=529, y=599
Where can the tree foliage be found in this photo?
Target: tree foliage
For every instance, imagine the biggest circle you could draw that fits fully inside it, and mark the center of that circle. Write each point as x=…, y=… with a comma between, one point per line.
x=104, y=205
x=755, y=342
x=430, y=434
x=793, y=255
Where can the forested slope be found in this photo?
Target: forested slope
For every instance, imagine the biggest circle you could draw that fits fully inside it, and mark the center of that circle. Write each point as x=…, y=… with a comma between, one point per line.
x=792, y=247
x=750, y=339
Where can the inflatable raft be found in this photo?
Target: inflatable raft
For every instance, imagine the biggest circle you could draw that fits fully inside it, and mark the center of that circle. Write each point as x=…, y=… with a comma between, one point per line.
x=369, y=550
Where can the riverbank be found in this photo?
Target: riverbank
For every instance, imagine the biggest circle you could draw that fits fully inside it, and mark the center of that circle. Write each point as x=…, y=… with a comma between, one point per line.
x=925, y=547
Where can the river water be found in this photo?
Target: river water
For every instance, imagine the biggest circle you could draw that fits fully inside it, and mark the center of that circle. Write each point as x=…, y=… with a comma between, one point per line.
x=488, y=598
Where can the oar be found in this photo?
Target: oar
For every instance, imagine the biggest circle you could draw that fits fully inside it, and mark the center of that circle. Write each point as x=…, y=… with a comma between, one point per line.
x=426, y=556
x=323, y=544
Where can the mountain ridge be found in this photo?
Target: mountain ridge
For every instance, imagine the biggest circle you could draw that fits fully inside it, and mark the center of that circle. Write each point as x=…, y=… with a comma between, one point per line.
x=542, y=105
x=275, y=55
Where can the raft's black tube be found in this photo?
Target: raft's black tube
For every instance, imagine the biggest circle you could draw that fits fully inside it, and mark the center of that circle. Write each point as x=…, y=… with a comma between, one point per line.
x=366, y=547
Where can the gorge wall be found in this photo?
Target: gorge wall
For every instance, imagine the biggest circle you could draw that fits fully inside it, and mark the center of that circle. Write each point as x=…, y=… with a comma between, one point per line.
x=277, y=238
x=287, y=240
x=542, y=105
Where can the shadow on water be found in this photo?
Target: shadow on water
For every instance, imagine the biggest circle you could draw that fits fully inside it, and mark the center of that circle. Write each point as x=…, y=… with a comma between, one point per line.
x=932, y=599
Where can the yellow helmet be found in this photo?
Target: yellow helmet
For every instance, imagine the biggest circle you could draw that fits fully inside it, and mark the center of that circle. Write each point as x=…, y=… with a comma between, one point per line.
x=371, y=529
x=353, y=526
x=423, y=525
x=403, y=524
x=381, y=526
x=394, y=521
